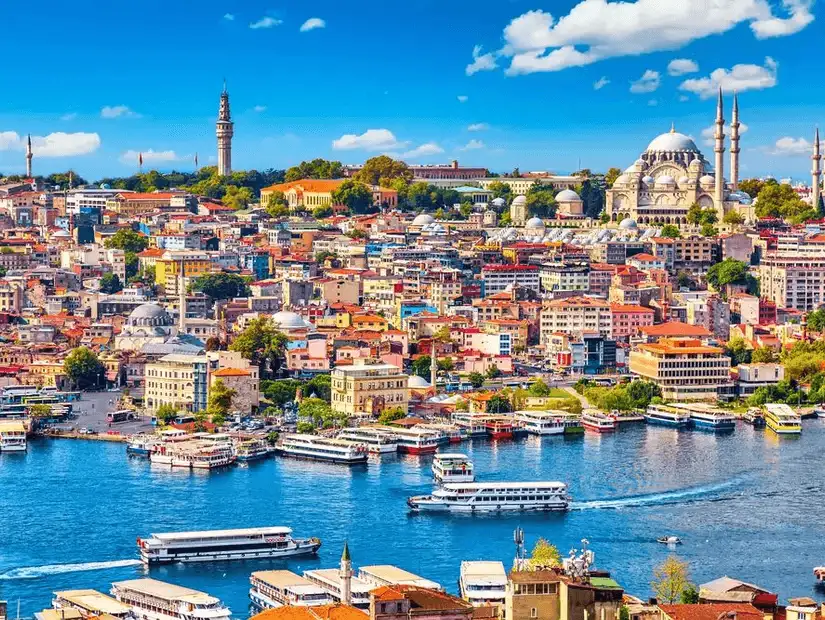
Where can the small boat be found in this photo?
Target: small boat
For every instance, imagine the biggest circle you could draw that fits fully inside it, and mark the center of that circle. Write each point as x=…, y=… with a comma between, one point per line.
x=593, y=420
x=754, y=417
x=819, y=411
x=669, y=540
x=819, y=573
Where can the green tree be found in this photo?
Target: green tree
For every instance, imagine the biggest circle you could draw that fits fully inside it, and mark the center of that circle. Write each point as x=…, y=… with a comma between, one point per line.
x=165, y=414
x=751, y=187
x=83, y=368
x=356, y=196
x=539, y=388
x=110, y=283
x=324, y=211
x=709, y=230
x=322, y=256
x=764, y=355
x=611, y=175
x=541, y=201
x=671, y=231
x=683, y=280
x=624, y=612
x=319, y=386
x=220, y=400
x=476, y=379
x=305, y=427
x=690, y=595
x=237, y=197
x=391, y=415
x=319, y=412
x=382, y=170
x=729, y=271
x=262, y=344
x=544, y=555
x=127, y=240
x=816, y=320
x=733, y=218
x=421, y=366
x=221, y=285
x=694, y=214
x=315, y=169
x=738, y=351
x=499, y=189
x=279, y=392
x=493, y=372
x=670, y=580
x=40, y=411
x=499, y=403
x=782, y=201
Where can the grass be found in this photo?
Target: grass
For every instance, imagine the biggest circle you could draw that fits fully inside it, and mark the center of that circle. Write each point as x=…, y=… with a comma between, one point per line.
x=559, y=393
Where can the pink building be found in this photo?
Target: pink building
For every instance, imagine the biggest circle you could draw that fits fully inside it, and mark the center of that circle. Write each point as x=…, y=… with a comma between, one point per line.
x=629, y=319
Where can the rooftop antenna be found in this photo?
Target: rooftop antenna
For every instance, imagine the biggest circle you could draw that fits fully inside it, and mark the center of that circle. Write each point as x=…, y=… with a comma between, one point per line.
x=518, y=538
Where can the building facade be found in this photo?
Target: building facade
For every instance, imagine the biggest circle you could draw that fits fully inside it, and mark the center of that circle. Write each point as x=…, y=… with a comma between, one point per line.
x=368, y=388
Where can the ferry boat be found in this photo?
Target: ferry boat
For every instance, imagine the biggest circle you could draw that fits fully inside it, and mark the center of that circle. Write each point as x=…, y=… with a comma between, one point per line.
x=819, y=411
x=416, y=440
x=377, y=440
x=317, y=448
x=142, y=445
x=483, y=583
x=252, y=449
x=448, y=433
x=499, y=427
x=754, y=417
x=541, y=422
x=91, y=604
x=156, y=600
x=12, y=436
x=705, y=418
x=572, y=424
x=452, y=468
x=782, y=420
x=593, y=420
x=388, y=575
x=471, y=428
x=493, y=497
x=663, y=415
x=329, y=579
x=213, y=545
x=278, y=588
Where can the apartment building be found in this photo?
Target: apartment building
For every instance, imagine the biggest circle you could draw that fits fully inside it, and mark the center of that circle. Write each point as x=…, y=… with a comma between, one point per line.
x=575, y=316
x=181, y=381
x=368, y=388
x=498, y=278
x=556, y=277
x=167, y=269
x=793, y=280
x=628, y=320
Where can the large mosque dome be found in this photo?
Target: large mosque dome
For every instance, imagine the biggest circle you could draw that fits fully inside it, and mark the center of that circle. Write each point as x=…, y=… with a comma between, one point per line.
x=288, y=320
x=670, y=142
x=149, y=315
x=422, y=219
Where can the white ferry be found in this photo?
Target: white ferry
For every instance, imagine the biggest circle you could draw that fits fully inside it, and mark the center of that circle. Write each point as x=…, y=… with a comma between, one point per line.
x=452, y=468
x=593, y=420
x=448, y=433
x=388, y=575
x=541, y=422
x=483, y=583
x=322, y=449
x=278, y=588
x=493, y=497
x=240, y=544
x=91, y=604
x=142, y=445
x=12, y=436
x=330, y=580
x=416, y=440
x=156, y=600
x=663, y=415
x=251, y=449
x=782, y=420
x=377, y=440
x=707, y=418
x=471, y=428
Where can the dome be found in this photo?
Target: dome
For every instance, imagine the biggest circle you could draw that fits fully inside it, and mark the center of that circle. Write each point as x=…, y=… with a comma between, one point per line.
x=672, y=141
x=683, y=181
x=418, y=383
x=707, y=180
x=648, y=180
x=628, y=224
x=665, y=181
x=499, y=202
x=534, y=222
x=567, y=195
x=289, y=320
x=62, y=234
x=622, y=179
x=149, y=315
x=519, y=200
x=422, y=219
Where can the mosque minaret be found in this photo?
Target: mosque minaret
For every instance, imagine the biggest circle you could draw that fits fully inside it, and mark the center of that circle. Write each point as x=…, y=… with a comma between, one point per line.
x=29, y=156
x=816, y=172
x=734, y=145
x=719, y=150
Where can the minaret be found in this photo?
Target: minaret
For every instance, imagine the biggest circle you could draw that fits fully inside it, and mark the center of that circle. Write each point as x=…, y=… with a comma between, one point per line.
x=224, y=129
x=816, y=173
x=182, y=299
x=345, y=573
x=734, y=145
x=719, y=149
x=29, y=156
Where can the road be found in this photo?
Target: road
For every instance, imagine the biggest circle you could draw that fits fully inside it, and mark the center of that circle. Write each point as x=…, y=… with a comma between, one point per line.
x=91, y=412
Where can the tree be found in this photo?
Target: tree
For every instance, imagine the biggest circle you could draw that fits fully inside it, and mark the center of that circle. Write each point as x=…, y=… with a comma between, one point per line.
x=383, y=170
x=671, y=231
x=83, y=368
x=262, y=344
x=683, y=280
x=221, y=285
x=782, y=201
x=476, y=379
x=315, y=169
x=305, y=427
x=544, y=555
x=733, y=218
x=751, y=187
x=670, y=580
x=110, y=283
x=694, y=214
x=165, y=414
x=127, y=240
x=738, y=351
x=764, y=355
x=237, y=197
x=729, y=271
x=624, y=612
x=611, y=175
x=499, y=189
x=493, y=372
x=816, y=320
x=541, y=201
x=421, y=366
x=356, y=196
x=220, y=400
x=40, y=411
x=499, y=403
x=690, y=595
x=539, y=388
x=391, y=415
x=320, y=413
x=709, y=230
x=324, y=211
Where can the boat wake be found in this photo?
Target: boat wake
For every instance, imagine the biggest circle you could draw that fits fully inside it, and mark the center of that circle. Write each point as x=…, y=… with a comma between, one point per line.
x=34, y=572
x=652, y=499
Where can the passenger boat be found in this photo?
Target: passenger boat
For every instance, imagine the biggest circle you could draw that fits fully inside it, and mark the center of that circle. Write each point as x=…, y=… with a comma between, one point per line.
x=91, y=604
x=710, y=420
x=213, y=545
x=669, y=540
x=493, y=497
x=483, y=583
x=819, y=573
x=593, y=420
x=12, y=436
x=572, y=424
x=471, y=428
x=156, y=600
x=449, y=433
x=329, y=579
x=452, y=468
x=819, y=411
x=754, y=417
x=416, y=440
x=322, y=449
x=388, y=575
x=499, y=427
x=782, y=420
x=142, y=445
x=377, y=440
x=278, y=588
x=252, y=449
x=663, y=415
x=541, y=422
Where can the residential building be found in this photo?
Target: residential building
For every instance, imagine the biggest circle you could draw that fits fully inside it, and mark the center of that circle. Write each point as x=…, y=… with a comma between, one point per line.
x=575, y=316
x=168, y=269
x=498, y=278
x=754, y=376
x=368, y=388
x=793, y=280
x=550, y=595
x=181, y=381
x=408, y=602
x=11, y=297
x=628, y=320
x=558, y=277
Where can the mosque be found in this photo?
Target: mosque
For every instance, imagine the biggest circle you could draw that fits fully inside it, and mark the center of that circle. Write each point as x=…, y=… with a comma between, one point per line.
x=672, y=174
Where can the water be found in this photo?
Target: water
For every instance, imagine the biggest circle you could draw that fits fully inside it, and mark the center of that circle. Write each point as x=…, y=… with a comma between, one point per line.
x=747, y=504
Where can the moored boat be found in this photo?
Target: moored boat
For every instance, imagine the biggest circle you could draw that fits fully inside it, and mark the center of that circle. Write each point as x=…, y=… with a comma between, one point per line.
x=754, y=417
x=279, y=588
x=493, y=497
x=546, y=422
x=377, y=440
x=252, y=449
x=318, y=448
x=12, y=436
x=416, y=440
x=594, y=420
x=452, y=468
x=782, y=420
x=142, y=445
x=499, y=427
x=483, y=583
x=704, y=417
x=156, y=600
x=664, y=415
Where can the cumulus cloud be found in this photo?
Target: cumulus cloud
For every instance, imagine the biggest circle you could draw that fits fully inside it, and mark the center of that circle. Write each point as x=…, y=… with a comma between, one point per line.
x=229, y=17
x=462, y=98
x=370, y=140
x=259, y=108
x=118, y=111
x=481, y=62
x=478, y=127
x=681, y=66
x=648, y=83
x=429, y=148
x=739, y=78
x=58, y=144
x=150, y=156
x=601, y=83
x=265, y=22
x=313, y=23
x=707, y=133
x=595, y=30
x=792, y=146
x=473, y=145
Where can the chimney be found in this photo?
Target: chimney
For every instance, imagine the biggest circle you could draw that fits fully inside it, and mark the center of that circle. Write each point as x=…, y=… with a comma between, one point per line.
x=454, y=164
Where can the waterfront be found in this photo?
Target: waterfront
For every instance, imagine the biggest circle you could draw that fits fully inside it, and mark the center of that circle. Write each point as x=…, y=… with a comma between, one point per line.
x=746, y=504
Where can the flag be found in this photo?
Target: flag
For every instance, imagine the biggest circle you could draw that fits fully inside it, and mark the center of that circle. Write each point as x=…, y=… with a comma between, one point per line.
x=196, y=161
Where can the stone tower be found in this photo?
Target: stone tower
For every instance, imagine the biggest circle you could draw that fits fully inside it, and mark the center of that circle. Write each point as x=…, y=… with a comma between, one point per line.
x=719, y=150
x=345, y=573
x=816, y=173
x=224, y=129
x=734, y=145
x=29, y=156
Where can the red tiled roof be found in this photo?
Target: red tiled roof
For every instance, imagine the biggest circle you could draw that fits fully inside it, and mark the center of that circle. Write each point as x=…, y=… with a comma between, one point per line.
x=711, y=611
x=675, y=328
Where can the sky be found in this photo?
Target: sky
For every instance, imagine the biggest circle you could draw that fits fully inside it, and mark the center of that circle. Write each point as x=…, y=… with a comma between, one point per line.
x=552, y=85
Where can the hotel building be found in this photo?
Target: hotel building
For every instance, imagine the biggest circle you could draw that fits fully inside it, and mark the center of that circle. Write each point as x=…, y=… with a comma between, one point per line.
x=366, y=388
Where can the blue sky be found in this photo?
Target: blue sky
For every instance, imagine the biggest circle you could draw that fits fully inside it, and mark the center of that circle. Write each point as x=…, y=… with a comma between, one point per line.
x=497, y=83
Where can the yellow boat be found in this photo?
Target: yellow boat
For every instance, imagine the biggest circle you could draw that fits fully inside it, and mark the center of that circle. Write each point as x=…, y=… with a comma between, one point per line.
x=782, y=420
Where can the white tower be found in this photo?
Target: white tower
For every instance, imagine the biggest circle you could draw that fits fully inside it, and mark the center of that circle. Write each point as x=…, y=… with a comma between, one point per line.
x=182, y=298
x=224, y=129
x=719, y=149
x=29, y=156
x=816, y=173
x=734, y=145
x=345, y=573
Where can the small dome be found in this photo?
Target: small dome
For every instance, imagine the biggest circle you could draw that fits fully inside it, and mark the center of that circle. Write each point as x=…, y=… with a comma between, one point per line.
x=62, y=234
x=520, y=200
x=418, y=383
x=648, y=180
x=683, y=181
x=422, y=219
x=622, y=179
x=534, y=222
x=288, y=320
x=707, y=180
x=499, y=202
x=148, y=311
x=665, y=181
x=628, y=224
x=695, y=164
x=567, y=195
x=672, y=141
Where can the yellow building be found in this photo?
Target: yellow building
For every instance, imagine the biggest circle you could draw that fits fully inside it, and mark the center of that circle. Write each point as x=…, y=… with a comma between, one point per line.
x=684, y=368
x=369, y=388
x=181, y=381
x=372, y=322
x=167, y=269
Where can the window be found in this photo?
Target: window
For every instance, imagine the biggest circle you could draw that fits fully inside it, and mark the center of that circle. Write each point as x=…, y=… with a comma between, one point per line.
x=534, y=612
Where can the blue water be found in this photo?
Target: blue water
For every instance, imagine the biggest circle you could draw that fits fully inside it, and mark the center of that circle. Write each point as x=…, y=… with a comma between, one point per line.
x=747, y=504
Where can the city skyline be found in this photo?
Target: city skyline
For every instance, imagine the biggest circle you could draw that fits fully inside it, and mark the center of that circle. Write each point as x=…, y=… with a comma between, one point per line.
x=487, y=95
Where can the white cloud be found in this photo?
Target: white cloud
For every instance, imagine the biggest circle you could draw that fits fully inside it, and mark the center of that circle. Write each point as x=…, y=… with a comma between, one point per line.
x=792, y=146
x=462, y=98
x=648, y=83
x=478, y=127
x=150, y=156
x=601, y=83
x=266, y=22
x=58, y=144
x=313, y=23
x=595, y=30
x=118, y=111
x=259, y=108
x=473, y=145
x=69, y=116
x=739, y=78
x=481, y=62
x=229, y=17
x=681, y=66
x=707, y=133
x=429, y=148
x=370, y=140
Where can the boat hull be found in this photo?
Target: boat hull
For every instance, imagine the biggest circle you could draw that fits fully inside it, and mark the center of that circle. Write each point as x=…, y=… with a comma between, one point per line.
x=423, y=506
x=356, y=460
x=714, y=427
x=15, y=447
x=303, y=549
x=664, y=422
x=597, y=428
x=417, y=449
